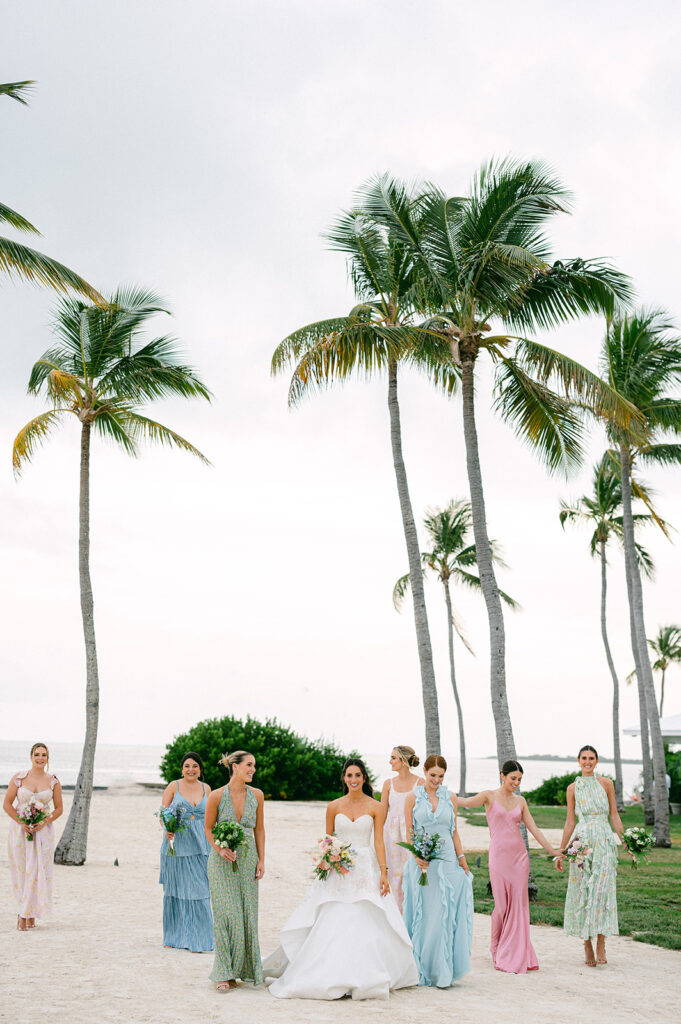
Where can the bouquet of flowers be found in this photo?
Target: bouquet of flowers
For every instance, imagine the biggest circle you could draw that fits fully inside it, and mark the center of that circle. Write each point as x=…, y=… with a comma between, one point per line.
x=637, y=841
x=173, y=819
x=425, y=846
x=228, y=835
x=334, y=856
x=577, y=852
x=32, y=814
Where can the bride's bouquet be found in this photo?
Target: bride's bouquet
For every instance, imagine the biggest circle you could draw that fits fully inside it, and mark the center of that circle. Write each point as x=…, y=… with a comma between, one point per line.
x=426, y=846
x=173, y=819
x=229, y=835
x=577, y=852
x=334, y=856
x=32, y=814
x=637, y=841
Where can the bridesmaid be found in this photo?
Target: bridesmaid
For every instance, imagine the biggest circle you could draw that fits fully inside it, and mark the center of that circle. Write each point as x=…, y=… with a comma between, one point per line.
x=187, y=920
x=31, y=863
x=393, y=796
x=438, y=916
x=591, y=900
x=509, y=870
x=234, y=894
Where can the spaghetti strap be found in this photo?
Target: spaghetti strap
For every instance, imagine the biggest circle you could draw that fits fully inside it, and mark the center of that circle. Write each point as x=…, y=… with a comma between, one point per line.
x=203, y=787
x=177, y=783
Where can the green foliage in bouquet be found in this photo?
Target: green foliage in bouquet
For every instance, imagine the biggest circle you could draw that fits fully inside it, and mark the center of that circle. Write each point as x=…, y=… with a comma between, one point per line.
x=288, y=766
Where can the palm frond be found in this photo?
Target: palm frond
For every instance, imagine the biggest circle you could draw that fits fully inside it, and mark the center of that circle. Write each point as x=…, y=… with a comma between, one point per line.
x=141, y=428
x=400, y=591
x=17, y=90
x=152, y=372
x=660, y=454
x=20, y=261
x=472, y=581
x=294, y=345
x=32, y=436
x=113, y=424
x=539, y=416
x=16, y=220
x=567, y=290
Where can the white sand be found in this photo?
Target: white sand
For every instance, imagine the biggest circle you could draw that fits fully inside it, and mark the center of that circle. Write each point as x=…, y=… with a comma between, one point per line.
x=100, y=959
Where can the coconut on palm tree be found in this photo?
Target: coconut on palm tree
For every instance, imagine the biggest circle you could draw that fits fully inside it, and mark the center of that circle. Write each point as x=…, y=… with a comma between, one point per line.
x=19, y=260
x=602, y=510
x=450, y=559
x=99, y=372
x=667, y=647
x=641, y=358
x=487, y=272
x=376, y=336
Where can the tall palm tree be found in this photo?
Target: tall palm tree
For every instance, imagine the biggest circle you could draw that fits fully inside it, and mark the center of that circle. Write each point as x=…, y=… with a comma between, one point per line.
x=18, y=260
x=641, y=358
x=450, y=559
x=375, y=337
x=667, y=647
x=99, y=373
x=602, y=510
x=483, y=261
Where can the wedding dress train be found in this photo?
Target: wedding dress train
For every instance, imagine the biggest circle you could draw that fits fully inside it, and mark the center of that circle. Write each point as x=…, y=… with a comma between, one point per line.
x=344, y=938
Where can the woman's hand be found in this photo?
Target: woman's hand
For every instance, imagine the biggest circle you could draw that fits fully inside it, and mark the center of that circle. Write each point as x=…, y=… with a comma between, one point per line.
x=384, y=884
x=558, y=861
x=259, y=870
x=28, y=830
x=41, y=824
x=169, y=835
x=423, y=864
x=464, y=865
x=229, y=855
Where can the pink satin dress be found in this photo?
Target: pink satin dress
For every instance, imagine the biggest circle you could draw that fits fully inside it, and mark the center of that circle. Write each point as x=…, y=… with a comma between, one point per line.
x=509, y=869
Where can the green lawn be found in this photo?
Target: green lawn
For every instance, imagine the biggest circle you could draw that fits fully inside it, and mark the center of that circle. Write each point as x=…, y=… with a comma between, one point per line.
x=648, y=898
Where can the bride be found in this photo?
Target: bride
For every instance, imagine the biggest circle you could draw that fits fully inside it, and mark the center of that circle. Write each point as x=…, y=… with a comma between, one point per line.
x=347, y=937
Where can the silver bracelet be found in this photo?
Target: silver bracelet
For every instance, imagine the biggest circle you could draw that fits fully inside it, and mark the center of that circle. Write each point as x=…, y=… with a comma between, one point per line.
x=462, y=856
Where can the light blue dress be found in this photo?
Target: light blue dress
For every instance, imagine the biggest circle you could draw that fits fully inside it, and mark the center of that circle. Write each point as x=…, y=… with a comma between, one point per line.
x=439, y=916
x=187, y=919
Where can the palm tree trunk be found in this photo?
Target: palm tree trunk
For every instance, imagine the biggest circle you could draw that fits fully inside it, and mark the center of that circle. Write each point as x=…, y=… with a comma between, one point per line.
x=488, y=581
x=459, y=712
x=619, y=791
x=662, y=692
x=72, y=847
x=661, y=826
x=428, y=687
x=647, y=766
x=490, y=590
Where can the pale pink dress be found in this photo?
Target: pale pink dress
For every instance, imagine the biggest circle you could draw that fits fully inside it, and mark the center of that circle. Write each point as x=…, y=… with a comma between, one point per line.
x=394, y=832
x=31, y=863
x=509, y=870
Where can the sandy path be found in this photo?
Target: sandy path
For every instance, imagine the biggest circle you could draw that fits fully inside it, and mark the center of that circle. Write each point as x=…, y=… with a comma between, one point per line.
x=101, y=960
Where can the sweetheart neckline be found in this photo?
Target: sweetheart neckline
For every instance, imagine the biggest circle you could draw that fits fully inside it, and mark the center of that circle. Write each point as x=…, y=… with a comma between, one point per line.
x=36, y=792
x=354, y=820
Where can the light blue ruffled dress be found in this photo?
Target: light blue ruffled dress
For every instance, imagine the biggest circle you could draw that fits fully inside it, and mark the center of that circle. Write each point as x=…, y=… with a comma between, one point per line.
x=187, y=918
x=439, y=916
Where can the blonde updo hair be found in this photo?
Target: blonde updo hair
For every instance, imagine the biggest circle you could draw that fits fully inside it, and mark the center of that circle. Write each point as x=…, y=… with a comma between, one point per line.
x=229, y=760
x=45, y=747
x=407, y=755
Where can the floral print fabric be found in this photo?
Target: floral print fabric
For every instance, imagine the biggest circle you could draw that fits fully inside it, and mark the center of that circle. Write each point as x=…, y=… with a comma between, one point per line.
x=591, y=900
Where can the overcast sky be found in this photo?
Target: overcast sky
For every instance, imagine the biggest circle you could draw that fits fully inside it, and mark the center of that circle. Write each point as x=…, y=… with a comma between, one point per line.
x=200, y=150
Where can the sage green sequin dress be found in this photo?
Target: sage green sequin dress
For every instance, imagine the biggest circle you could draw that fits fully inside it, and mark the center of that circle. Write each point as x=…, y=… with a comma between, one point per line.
x=591, y=900
x=234, y=900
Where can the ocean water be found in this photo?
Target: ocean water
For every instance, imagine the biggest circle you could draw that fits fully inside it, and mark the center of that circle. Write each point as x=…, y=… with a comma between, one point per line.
x=121, y=764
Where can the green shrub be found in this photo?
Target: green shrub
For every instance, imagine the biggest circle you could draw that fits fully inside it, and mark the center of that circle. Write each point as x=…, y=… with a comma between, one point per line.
x=552, y=791
x=288, y=766
x=673, y=761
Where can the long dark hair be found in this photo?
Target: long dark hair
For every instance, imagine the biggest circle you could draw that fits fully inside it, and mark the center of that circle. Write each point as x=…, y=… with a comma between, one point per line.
x=587, y=747
x=366, y=785
x=511, y=766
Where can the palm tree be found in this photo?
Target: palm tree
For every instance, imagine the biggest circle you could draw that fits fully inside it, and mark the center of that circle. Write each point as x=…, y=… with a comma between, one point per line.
x=450, y=558
x=375, y=337
x=484, y=258
x=667, y=647
x=20, y=261
x=602, y=510
x=641, y=358
x=98, y=372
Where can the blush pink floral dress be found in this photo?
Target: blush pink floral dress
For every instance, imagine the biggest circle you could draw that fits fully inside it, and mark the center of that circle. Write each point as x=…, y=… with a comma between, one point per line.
x=31, y=863
x=394, y=832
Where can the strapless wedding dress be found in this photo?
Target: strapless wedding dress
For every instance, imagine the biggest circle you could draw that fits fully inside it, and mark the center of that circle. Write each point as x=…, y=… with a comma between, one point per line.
x=344, y=938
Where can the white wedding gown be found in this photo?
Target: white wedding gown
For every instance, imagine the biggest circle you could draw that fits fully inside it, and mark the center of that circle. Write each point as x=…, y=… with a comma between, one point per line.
x=344, y=938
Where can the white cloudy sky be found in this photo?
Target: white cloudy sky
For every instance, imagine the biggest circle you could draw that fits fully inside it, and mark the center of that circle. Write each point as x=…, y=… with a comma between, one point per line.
x=200, y=149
